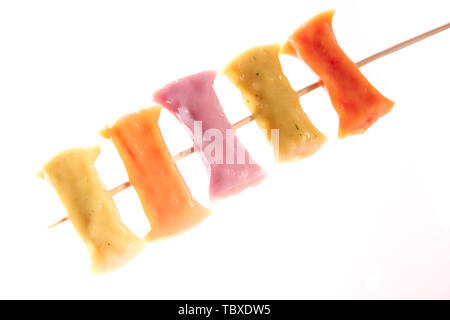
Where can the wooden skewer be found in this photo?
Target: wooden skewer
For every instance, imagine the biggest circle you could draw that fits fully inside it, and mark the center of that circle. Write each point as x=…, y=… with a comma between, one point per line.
x=120, y=187
x=300, y=93
x=57, y=223
x=316, y=85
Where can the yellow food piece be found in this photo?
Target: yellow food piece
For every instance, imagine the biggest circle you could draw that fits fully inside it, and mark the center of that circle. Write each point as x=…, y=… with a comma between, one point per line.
x=273, y=103
x=91, y=209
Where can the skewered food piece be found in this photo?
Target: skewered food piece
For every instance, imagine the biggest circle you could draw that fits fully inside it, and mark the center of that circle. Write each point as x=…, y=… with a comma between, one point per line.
x=193, y=101
x=356, y=101
x=165, y=197
x=91, y=209
x=273, y=103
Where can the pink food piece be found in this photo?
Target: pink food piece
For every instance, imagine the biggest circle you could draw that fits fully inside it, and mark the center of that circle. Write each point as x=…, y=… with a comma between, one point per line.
x=229, y=165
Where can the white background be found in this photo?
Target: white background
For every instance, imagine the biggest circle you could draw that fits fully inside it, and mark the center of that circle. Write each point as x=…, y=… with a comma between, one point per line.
x=366, y=217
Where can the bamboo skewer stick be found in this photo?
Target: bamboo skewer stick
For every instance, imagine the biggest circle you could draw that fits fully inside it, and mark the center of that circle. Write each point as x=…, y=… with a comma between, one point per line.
x=318, y=84
x=59, y=222
x=120, y=187
x=300, y=93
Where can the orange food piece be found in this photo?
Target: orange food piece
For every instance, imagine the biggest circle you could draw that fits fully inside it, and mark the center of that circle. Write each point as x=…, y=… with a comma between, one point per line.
x=356, y=101
x=165, y=197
